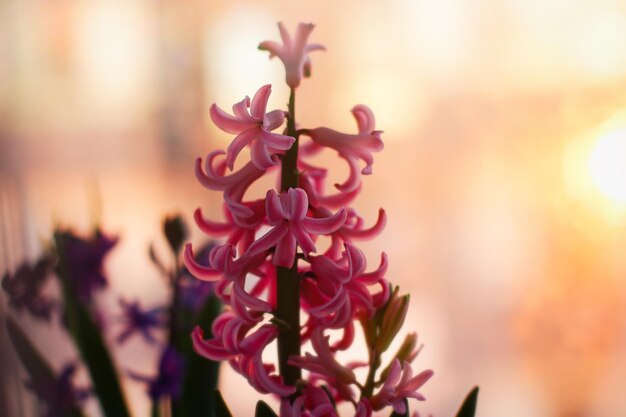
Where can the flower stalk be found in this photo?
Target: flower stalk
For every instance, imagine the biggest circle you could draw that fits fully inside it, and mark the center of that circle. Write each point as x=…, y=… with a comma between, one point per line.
x=288, y=280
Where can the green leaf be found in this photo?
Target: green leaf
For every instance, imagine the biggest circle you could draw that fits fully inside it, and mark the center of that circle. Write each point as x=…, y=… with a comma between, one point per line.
x=201, y=374
x=36, y=365
x=468, y=408
x=221, y=409
x=89, y=343
x=264, y=410
x=406, y=413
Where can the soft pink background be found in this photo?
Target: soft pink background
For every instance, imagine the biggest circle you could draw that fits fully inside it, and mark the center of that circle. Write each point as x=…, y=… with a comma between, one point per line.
x=515, y=263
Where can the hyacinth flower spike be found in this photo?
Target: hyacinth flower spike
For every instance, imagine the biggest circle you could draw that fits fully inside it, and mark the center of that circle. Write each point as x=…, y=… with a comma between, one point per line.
x=331, y=288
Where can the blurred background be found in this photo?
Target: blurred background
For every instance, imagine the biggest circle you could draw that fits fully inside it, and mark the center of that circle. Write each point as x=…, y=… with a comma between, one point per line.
x=503, y=174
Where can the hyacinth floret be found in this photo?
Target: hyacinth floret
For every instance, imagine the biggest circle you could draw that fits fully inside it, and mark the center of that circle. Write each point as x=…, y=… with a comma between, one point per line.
x=273, y=267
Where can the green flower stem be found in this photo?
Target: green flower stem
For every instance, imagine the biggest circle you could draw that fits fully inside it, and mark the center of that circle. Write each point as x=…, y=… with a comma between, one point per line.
x=288, y=281
x=368, y=390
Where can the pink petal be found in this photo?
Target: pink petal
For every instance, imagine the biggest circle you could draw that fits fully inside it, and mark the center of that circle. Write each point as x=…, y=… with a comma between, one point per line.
x=237, y=209
x=233, y=330
x=299, y=203
x=302, y=34
x=273, y=208
x=284, y=35
x=364, y=118
x=399, y=406
x=347, y=339
x=257, y=340
x=373, y=231
x=269, y=240
x=356, y=259
x=304, y=240
x=314, y=47
x=331, y=305
x=274, y=48
x=260, y=156
x=277, y=141
x=240, y=110
x=394, y=374
x=210, y=227
x=378, y=274
x=241, y=140
x=354, y=180
x=242, y=311
x=285, y=252
x=326, y=267
x=249, y=300
x=259, y=102
x=228, y=123
x=273, y=119
x=204, y=273
x=208, y=349
x=220, y=257
x=326, y=225
x=419, y=380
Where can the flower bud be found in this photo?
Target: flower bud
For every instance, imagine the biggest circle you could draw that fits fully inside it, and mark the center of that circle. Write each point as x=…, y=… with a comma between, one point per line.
x=393, y=318
x=406, y=352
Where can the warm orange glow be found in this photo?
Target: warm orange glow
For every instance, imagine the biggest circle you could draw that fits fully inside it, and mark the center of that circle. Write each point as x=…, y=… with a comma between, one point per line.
x=607, y=166
x=503, y=174
x=595, y=171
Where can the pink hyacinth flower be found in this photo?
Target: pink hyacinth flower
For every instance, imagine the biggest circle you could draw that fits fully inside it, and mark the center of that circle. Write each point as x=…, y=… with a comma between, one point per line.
x=312, y=181
x=324, y=363
x=293, y=52
x=353, y=229
x=352, y=147
x=222, y=262
x=340, y=288
x=234, y=185
x=244, y=351
x=241, y=231
x=314, y=402
x=400, y=384
x=288, y=214
x=363, y=409
x=253, y=127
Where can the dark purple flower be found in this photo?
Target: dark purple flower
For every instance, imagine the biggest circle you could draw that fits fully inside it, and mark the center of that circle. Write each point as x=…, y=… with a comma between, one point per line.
x=169, y=380
x=60, y=395
x=137, y=320
x=24, y=288
x=84, y=259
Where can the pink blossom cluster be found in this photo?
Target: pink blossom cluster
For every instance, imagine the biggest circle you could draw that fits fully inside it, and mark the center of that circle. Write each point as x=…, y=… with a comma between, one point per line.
x=282, y=230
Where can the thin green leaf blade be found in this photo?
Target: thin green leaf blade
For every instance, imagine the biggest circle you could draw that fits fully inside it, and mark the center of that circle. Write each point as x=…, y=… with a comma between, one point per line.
x=468, y=408
x=221, y=409
x=201, y=374
x=264, y=410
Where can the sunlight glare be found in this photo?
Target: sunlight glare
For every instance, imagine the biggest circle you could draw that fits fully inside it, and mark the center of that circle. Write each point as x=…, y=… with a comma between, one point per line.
x=607, y=165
